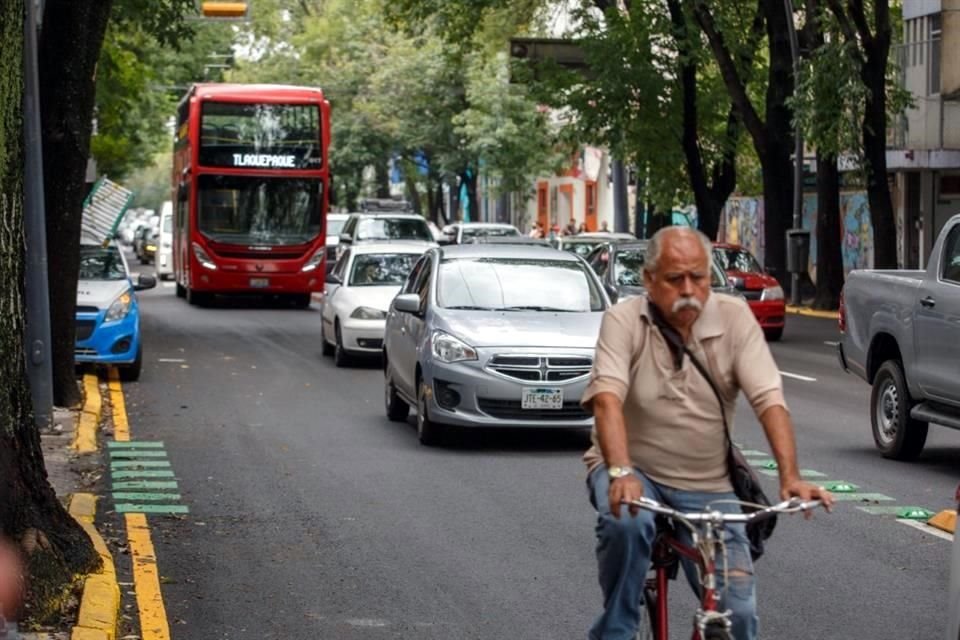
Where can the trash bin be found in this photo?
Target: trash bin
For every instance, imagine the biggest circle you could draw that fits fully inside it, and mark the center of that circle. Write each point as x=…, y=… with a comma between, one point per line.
x=798, y=250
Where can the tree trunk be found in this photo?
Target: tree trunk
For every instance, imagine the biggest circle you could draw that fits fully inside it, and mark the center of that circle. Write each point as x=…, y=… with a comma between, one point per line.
x=70, y=45
x=875, y=155
x=382, y=170
x=829, y=255
x=472, y=205
x=54, y=547
x=777, y=167
x=413, y=193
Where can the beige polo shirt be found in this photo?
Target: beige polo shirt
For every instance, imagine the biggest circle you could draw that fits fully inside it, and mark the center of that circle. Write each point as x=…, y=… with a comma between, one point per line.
x=674, y=425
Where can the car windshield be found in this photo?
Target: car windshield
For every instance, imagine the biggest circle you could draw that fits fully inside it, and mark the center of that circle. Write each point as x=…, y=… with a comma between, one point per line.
x=334, y=226
x=254, y=210
x=628, y=269
x=517, y=284
x=483, y=232
x=381, y=269
x=98, y=263
x=737, y=260
x=394, y=229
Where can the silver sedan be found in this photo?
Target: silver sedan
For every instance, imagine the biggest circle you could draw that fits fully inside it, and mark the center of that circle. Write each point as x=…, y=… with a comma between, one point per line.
x=492, y=335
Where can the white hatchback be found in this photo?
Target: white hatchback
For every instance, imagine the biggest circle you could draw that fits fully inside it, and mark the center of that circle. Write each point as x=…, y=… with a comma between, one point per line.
x=164, y=258
x=359, y=291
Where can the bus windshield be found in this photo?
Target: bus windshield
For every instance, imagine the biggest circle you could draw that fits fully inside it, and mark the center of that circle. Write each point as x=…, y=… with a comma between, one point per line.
x=260, y=136
x=256, y=210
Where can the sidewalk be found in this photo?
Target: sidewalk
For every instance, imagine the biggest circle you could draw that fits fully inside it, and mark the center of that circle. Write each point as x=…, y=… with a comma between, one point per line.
x=815, y=313
x=74, y=469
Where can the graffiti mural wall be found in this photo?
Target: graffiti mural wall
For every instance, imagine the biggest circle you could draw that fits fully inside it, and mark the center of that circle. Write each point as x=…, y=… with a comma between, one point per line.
x=742, y=224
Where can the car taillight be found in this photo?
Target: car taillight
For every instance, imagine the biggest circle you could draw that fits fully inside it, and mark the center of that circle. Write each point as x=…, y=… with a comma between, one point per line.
x=956, y=497
x=842, y=315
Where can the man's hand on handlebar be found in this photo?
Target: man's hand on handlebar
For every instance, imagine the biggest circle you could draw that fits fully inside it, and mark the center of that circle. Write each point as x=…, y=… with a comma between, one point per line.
x=625, y=489
x=806, y=491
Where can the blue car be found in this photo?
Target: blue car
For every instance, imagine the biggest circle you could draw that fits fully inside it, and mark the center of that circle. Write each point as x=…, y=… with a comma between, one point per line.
x=108, y=316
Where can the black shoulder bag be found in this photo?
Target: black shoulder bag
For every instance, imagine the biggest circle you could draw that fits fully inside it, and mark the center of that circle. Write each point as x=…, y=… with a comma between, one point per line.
x=746, y=483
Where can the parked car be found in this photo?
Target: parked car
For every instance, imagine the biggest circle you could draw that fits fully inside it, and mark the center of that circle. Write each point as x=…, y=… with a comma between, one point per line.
x=335, y=222
x=379, y=227
x=145, y=243
x=619, y=265
x=163, y=264
x=762, y=291
x=583, y=243
x=463, y=232
x=492, y=336
x=901, y=333
x=512, y=240
x=108, y=316
x=359, y=290
x=953, y=631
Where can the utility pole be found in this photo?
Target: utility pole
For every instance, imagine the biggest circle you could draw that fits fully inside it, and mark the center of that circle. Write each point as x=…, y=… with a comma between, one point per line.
x=797, y=153
x=621, y=217
x=37, y=344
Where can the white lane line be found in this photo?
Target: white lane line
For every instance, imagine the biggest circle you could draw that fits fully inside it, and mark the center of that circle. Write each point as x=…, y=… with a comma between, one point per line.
x=831, y=343
x=175, y=360
x=168, y=285
x=926, y=528
x=797, y=376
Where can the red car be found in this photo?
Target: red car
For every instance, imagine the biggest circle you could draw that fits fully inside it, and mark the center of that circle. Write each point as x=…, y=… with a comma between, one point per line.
x=762, y=291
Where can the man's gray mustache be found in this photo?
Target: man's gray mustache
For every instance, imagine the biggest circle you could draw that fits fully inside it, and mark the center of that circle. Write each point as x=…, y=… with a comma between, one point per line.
x=687, y=303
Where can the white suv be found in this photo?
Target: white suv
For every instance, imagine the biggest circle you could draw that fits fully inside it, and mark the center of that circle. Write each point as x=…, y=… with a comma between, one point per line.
x=381, y=227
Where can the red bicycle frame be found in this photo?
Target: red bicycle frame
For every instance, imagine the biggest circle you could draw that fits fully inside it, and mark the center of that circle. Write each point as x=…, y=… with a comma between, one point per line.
x=667, y=554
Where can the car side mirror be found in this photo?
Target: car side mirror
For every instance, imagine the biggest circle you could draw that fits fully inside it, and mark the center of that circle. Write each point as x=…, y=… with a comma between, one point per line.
x=407, y=303
x=445, y=240
x=144, y=282
x=346, y=238
x=333, y=278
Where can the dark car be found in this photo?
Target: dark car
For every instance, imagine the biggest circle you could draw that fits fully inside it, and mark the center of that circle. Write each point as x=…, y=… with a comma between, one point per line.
x=620, y=268
x=145, y=244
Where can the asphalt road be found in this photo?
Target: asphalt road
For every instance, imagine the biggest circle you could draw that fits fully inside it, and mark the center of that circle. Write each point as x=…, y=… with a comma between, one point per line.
x=313, y=517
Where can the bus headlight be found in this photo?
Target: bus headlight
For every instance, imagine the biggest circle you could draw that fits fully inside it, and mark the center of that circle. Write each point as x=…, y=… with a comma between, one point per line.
x=203, y=258
x=120, y=307
x=315, y=260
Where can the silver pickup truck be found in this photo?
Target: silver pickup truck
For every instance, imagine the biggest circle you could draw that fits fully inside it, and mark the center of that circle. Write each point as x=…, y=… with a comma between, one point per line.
x=901, y=333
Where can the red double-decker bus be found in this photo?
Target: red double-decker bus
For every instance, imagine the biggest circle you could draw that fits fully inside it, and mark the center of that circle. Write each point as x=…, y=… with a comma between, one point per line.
x=250, y=183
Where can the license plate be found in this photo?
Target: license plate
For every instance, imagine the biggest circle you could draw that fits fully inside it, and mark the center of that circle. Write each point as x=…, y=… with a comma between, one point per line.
x=540, y=398
x=259, y=283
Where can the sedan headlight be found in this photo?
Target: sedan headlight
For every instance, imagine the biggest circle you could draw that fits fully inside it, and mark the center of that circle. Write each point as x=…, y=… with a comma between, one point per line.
x=772, y=293
x=368, y=313
x=120, y=307
x=448, y=349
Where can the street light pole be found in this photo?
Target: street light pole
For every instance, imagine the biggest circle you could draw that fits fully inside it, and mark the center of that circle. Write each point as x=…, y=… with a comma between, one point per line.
x=797, y=149
x=37, y=343
x=621, y=216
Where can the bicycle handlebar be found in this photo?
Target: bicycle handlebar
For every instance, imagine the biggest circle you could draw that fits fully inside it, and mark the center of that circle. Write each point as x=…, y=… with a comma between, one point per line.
x=793, y=505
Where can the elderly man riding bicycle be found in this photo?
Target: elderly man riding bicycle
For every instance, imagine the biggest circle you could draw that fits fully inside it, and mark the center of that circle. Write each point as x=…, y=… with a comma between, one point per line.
x=659, y=427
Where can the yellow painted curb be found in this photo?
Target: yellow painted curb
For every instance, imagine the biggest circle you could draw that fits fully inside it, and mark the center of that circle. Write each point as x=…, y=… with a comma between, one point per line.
x=100, y=603
x=85, y=438
x=814, y=313
x=945, y=520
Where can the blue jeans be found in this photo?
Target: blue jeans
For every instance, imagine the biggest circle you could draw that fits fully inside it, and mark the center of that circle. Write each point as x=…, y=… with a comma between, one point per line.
x=624, y=547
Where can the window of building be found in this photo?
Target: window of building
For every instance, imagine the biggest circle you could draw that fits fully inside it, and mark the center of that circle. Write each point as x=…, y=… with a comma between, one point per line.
x=934, y=25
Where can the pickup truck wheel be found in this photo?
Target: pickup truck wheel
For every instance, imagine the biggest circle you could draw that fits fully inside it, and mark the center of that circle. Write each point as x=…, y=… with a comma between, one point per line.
x=896, y=434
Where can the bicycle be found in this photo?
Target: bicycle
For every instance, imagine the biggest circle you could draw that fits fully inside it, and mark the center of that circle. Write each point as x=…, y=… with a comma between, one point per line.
x=706, y=529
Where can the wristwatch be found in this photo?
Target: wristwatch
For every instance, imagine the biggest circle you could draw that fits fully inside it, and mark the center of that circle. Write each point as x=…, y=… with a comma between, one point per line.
x=619, y=472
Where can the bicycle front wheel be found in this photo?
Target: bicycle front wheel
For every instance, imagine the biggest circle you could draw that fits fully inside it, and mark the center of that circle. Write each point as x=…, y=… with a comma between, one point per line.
x=648, y=617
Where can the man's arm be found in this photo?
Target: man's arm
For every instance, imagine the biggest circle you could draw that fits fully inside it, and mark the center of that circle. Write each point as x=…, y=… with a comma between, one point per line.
x=779, y=430
x=612, y=434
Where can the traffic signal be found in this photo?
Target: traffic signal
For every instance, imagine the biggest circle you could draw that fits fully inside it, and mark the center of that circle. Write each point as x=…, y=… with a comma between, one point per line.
x=220, y=9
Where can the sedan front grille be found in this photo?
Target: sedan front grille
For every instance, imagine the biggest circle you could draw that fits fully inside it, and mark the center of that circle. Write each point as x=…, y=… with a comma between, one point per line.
x=540, y=368
x=513, y=410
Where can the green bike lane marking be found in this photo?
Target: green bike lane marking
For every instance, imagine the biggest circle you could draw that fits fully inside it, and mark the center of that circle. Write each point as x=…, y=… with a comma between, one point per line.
x=844, y=491
x=142, y=479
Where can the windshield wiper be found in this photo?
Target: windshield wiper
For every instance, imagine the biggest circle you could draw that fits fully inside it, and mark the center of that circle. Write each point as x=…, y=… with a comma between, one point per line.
x=536, y=308
x=466, y=307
